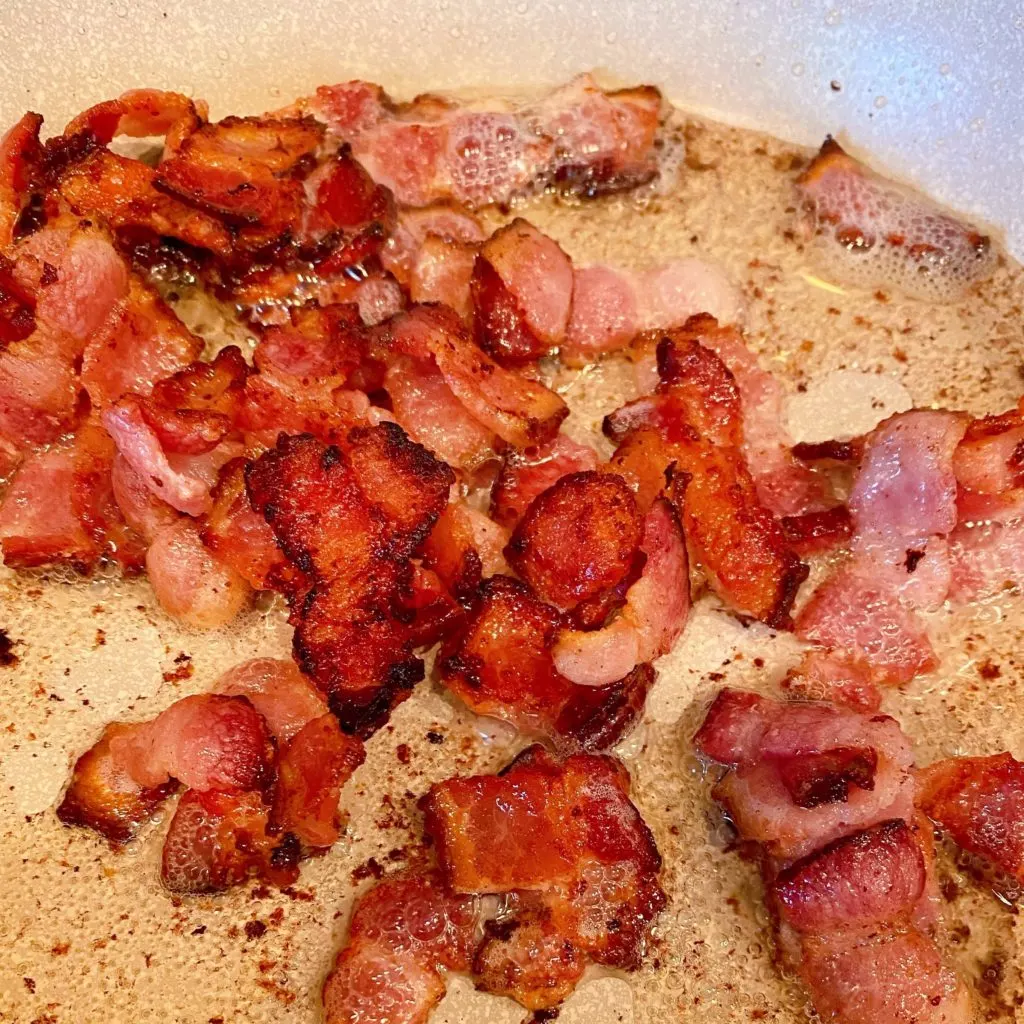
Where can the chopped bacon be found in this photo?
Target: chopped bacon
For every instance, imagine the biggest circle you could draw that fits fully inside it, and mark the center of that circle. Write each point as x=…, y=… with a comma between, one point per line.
x=285, y=698
x=443, y=222
x=522, y=289
x=653, y=617
x=815, y=532
x=578, y=138
x=989, y=466
x=693, y=425
x=103, y=796
x=979, y=801
x=611, y=306
x=403, y=930
x=191, y=583
x=350, y=520
x=836, y=677
x=20, y=151
x=986, y=559
x=143, y=511
x=141, y=113
x=520, y=411
x=311, y=769
x=465, y=547
x=880, y=234
x=443, y=272
x=577, y=539
x=527, y=474
x=500, y=663
x=218, y=840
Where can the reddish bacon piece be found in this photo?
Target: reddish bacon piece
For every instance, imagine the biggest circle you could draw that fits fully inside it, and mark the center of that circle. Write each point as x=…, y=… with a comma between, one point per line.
x=986, y=559
x=577, y=539
x=464, y=548
x=522, y=289
x=577, y=138
x=20, y=152
x=403, y=930
x=285, y=698
x=653, y=616
x=520, y=411
x=443, y=271
x=979, y=801
x=143, y=511
x=880, y=234
x=141, y=113
x=500, y=664
x=693, y=425
x=445, y=222
x=989, y=467
x=835, y=677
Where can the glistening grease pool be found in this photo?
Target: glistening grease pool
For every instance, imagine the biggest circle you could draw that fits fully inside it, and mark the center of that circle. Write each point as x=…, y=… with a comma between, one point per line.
x=89, y=935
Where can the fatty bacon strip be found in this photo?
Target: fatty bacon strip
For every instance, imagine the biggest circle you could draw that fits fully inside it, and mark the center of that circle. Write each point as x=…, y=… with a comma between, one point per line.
x=263, y=762
x=827, y=795
x=572, y=861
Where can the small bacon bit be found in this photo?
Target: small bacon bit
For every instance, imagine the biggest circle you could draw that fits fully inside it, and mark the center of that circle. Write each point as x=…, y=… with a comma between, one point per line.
x=37, y=390
x=979, y=801
x=577, y=539
x=430, y=611
x=285, y=698
x=825, y=778
x=429, y=411
x=520, y=411
x=190, y=582
x=218, y=840
x=835, y=677
x=206, y=742
x=877, y=233
x=448, y=223
x=311, y=769
x=654, y=615
x=464, y=548
x=443, y=272
x=694, y=424
x=522, y=289
x=103, y=796
x=989, y=467
x=402, y=932
x=500, y=664
x=527, y=474
x=17, y=306
x=815, y=532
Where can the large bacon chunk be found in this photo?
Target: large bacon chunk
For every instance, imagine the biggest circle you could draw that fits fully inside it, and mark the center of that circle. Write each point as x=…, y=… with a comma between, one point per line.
x=578, y=138
x=500, y=663
x=979, y=801
x=693, y=426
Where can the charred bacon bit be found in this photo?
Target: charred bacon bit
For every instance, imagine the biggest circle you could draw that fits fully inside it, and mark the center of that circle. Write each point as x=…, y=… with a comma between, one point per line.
x=499, y=663
x=826, y=777
x=218, y=840
x=834, y=677
x=877, y=233
x=979, y=801
x=577, y=539
x=428, y=608
x=403, y=930
x=520, y=411
x=278, y=691
x=656, y=608
x=818, y=531
x=311, y=769
x=522, y=290
x=526, y=474
x=103, y=796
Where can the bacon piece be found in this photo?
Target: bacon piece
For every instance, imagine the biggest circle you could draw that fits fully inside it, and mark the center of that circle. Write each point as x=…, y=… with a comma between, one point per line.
x=427, y=408
x=103, y=796
x=815, y=532
x=768, y=742
x=464, y=548
x=143, y=511
x=444, y=222
x=500, y=664
x=876, y=233
x=611, y=306
x=20, y=152
x=835, y=677
x=986, y=559
x=989, y=467
x=443, y=271
x=520, y=411
x=139, y=114
x=190, y=582
x=403, y=930
x=311, y=769
x=979, y=801
x=526, y=474
x=218, y=840
x=577, y=139
x=522, y=289
x=653, y=617
x=577, y=539
x=37, y=391
x=693, y=424
x=285, y=698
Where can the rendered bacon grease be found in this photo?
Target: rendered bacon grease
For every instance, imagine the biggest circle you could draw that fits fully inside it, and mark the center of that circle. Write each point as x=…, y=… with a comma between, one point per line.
x=392, y=457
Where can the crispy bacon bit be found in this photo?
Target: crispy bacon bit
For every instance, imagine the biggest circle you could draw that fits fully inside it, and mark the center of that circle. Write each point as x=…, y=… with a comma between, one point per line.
x=141, y=113
x=880, y=234
x=527, y=474
x=403, y=930
x=500, y=664
x=653, y=616
x=578, y=138
x=693, y=425
x=522, y=289
x=577, y=539
x=103, y=795
x=520, y=411
x=350, y=520
x=218, y=840
x=311, y=769
x=835, y=677
x=980, y=802
x=20, y=152
x=464, y=548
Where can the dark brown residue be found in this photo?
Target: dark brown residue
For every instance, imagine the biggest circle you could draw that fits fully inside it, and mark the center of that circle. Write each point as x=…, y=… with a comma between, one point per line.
x=8, y=659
